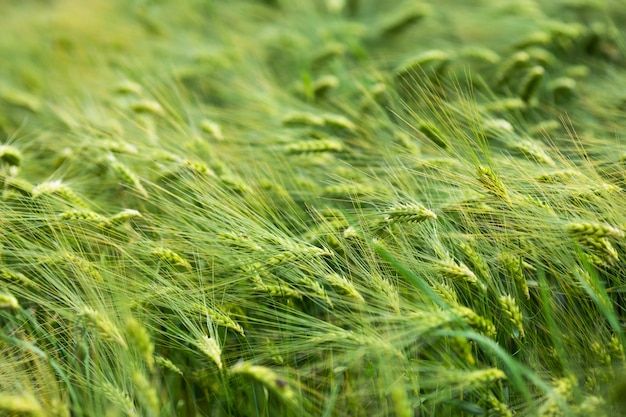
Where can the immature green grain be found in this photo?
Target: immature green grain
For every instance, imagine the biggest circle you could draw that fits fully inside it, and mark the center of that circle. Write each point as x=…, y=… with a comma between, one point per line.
x=21, y=99
x=315, y=146
x=409, y=213
x=512, y=312
x=505, y=105
x=58, y=188
x=477, y=322
x=493, y=184
x=20, y=404
x=457, y=272
x=212, y=350
x=616, y=349
x=342, y=285
x=496, y=407
x=128, y=87
x=401, y=19
x=171, y=258
x=8, y=301
x=445, y=292
x=147, y=107
x=402, y=407
x=563, y=390
x=10, y=155
x=266, y=376
x=315, y=289
x=473, y=379
x=463, y=348
x=121, y=218
x=534, y=151
x=140, y=340
x=558, y=177
x=119, y=398
x=531, y=82
x=513, y=270
x=81, y=215
x=197, y=168
x=216, y=317
x=165, y=363
x=127, y=176
x=602, y=356
x=480, y=53
x=324, y=84
x=562, y=88
x=102, y=325
x=146, y=393
x=435, y=59
x=303, y=119
x=213, y=129
x=16, y=278
x=432, y=132
x=338, y=121
x=594, y=230
x=512, y=65
x=477, y=261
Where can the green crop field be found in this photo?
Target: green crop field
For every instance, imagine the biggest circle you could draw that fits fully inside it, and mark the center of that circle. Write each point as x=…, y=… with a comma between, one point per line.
x=402, y=208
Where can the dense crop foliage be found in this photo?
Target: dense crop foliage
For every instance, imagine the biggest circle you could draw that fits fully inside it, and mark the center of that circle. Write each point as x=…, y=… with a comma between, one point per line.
x=312, y=208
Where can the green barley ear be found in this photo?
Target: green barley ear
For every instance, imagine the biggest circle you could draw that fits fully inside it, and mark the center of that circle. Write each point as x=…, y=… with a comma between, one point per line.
x=402, y=18
x=212, y=350
x=165, y=363
x=513, y=269
x=213, y=129
x=140, y=340
x=343, y=286
x=17, y=278
x=21, y=99
x=594, y=230
x=302, y=119
x=58, y=188
x=120, y=398
x=531, y=83
x=338, y=121
x=268, y=378
x=492, y=183
x=512, y=312
x=128, y=177
x=534, y=151
x=10, y=155
x=121, y=218
x=20, y=404
x=146, y=393
x=81, y=215
x=170, y=258
x=102, y=325
x=435, y=60
x=457, y=272
x=315, y=146
x=562, y=88
x=511, y=65
x=324, y=84
x=7, y=301
x=147, y=107
x=432, y=132
x=477, y=322
x=481, y=54
x=409, y=213
x=505, y=105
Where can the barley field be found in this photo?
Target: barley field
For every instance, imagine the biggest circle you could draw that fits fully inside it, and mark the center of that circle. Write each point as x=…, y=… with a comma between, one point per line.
x=268, y=208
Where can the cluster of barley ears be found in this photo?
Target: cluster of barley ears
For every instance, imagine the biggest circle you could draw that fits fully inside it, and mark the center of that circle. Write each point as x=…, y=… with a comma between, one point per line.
x=312, y=208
